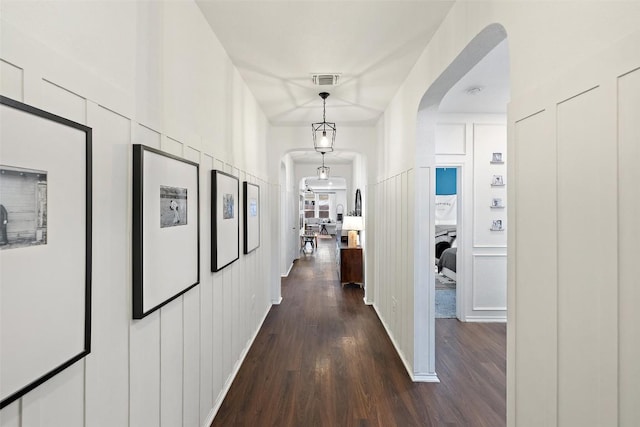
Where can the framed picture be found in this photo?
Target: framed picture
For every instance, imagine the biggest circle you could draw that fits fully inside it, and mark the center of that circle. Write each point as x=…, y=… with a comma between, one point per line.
x=225, y=226
x=358, y=204
x=497, y=158
x=497, y=181
x=166, y=238
x=496, y=225
x=45, y=246
x=497, y=203
x=251, y=202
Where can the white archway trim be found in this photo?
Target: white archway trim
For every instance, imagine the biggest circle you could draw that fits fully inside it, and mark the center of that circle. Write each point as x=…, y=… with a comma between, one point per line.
x=424, y=236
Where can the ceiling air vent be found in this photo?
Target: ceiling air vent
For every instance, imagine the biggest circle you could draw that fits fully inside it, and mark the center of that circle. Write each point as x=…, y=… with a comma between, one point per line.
x=325, y=79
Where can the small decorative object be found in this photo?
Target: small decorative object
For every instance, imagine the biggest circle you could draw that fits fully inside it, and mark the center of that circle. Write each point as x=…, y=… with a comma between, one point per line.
x=225, y=226
x=251, y=200
x=354, y=224
x=496, y=225
x=497, y=181
x=45, y=246
x=497, y=158
x=497, y=202
x=166, y=245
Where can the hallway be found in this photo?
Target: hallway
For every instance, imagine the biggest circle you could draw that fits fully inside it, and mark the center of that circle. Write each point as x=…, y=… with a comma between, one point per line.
x=322, y=358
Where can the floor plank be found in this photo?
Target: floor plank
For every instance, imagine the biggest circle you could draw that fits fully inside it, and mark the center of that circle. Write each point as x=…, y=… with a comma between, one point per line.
x=322, y=358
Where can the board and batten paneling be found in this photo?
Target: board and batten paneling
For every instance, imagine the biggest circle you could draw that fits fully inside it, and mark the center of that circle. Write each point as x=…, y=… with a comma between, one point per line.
x=587, y=296
x=536, y=293
x=629, y=254
x=394, y=296
x=451, y=138
x=488, y=139
x=489, y=282
x=11, y=80
x=573, y=351
x=107, y=378
x=174, y=366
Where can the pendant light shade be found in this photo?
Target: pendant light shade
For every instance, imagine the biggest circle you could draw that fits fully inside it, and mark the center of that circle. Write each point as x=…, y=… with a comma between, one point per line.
x=324, y=133
x=323, y=171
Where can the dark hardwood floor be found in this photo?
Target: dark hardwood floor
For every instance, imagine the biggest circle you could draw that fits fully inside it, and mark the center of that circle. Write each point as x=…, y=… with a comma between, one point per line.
x=322, y=358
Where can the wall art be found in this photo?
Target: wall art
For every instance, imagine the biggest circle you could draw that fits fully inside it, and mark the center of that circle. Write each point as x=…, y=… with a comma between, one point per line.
x=497, y=203
x=251, y=200
x=497, y=181
x=45, y=246
x=496, y=225
x=225, y=224
x=166, y=246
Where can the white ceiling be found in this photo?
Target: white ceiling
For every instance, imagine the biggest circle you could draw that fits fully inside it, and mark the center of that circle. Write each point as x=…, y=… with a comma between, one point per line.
x=491, y=77
x=278, y=45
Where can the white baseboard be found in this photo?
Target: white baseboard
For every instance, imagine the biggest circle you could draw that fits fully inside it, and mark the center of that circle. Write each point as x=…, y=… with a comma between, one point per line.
x=486, y=319
x=276, y=301
x=433, y=378
x=426, y=378
x=288, y=271
x=239, y=362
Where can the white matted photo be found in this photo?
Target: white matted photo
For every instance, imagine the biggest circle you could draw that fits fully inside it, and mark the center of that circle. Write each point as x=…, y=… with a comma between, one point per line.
x=497, y=180
x=166, y=249
x=251, y=199
x=497, y=202
x=497, y=225
x=496, y=158
x=225, y=224
x=45, y=246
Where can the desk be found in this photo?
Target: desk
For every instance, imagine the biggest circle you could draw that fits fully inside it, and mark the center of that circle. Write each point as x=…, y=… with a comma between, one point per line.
x=308, y=237
x=328, y=228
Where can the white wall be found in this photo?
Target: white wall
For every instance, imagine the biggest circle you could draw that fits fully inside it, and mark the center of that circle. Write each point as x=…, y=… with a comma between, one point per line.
x=571, y=318
x=467, y=141
x=149, y=73
x=288, y=223
x=569, y=335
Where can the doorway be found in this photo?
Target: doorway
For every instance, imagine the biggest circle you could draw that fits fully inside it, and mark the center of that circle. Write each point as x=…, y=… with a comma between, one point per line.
x=449, y=109
x=447, y=220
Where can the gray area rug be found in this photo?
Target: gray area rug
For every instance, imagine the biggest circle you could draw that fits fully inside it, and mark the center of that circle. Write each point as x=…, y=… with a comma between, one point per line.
x=445, y=297
x=445, y=303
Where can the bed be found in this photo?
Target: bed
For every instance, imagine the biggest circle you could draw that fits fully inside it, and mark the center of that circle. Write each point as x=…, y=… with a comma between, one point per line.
x=447, y=263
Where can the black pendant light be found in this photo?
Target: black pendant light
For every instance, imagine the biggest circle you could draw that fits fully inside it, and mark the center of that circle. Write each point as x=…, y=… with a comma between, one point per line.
x=323, y=171
x=324, y=133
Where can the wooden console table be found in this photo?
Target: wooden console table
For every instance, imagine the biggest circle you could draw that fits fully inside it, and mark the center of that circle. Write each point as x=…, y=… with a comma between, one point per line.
x=351, y=266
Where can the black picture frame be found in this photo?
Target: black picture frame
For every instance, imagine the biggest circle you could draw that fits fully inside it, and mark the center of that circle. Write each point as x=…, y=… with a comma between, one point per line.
x=251, y=223
x=225, y=221
x=169, y=267
x=358, y=204
x=35, y=138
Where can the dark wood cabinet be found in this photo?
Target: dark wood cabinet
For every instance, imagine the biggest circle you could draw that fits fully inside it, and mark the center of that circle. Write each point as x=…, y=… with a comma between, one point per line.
x=351, y=266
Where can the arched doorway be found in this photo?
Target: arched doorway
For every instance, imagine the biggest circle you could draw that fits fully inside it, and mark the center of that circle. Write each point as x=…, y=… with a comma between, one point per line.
x=426, y=140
